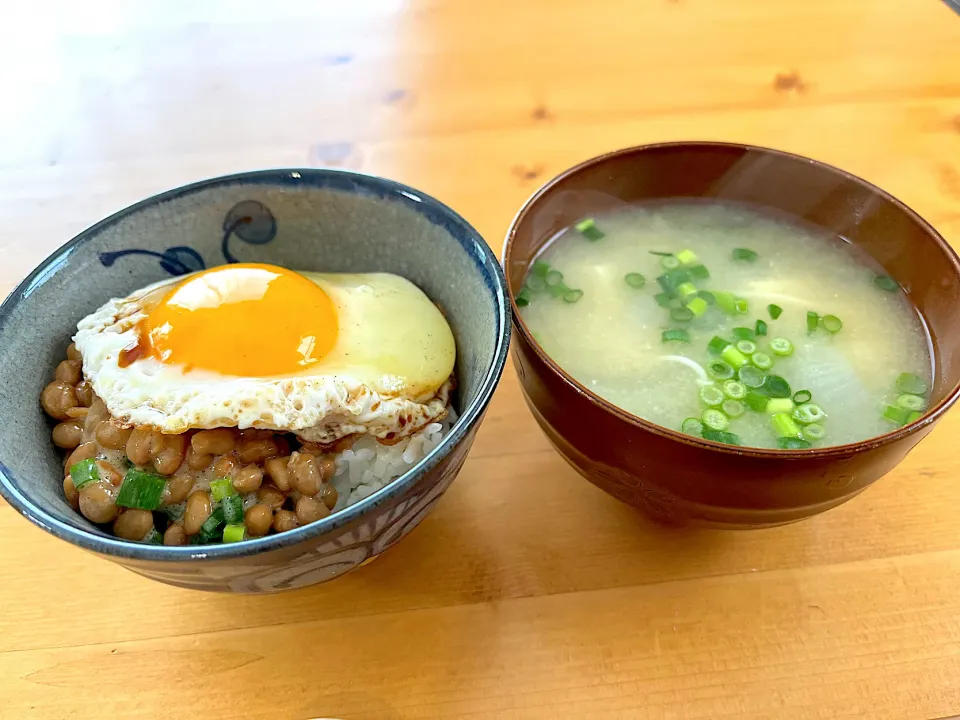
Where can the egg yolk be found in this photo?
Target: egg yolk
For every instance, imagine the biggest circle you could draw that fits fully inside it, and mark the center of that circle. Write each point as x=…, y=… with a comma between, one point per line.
x=248, y=320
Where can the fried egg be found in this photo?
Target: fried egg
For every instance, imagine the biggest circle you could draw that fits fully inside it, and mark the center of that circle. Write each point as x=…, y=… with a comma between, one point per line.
x=322, y=355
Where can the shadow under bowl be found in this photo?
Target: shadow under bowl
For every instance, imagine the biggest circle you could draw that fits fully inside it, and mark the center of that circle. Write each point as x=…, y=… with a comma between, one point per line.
x=680, y=479
x=306, y=219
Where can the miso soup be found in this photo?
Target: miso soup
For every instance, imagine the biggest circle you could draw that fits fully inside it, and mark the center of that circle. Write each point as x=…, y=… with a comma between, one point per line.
x=726, y=322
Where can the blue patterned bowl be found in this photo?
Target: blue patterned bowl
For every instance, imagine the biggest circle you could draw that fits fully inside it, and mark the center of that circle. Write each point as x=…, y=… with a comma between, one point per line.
x=307, y=219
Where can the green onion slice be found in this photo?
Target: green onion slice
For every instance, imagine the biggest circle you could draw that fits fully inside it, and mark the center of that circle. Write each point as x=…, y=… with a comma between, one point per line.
x=635, y=280
x=775, y=311
x=669, y=262
x=681, y=314
x=659, y=253
x=589, y=229
x=831, y=323
x=744, y=333
x=232, y=509
x=792, y=443
x=554, y=277
x=914, y=416
x=717, y=345
x=761, y=328
x=913, y=384
x=141, y=490
x=762, y=360
x=750, y=376
x=781, y=346
x=234, y=533
x=910, y=402
x=896, y=414
x=756, y=401
x=699, y=272
x=747, y=347
x=523, y=298
x=813, y=321
x=84, y=473
x=741, y=306
x=720, y=370
x=675, y=335
x=885, y=282
x=711, y=396
x=572, y=296
x=721, y=436
x=733, y=408
x=802, y=396
x=744, y=254
x=734, y=389
x=540, y=268
x=813, y=431
x=707, y=296
x=153, y=537
x=691, y=426
x=663, y=299
x=698, y=306
x=733, y=356
x=558, y=290
x=809, y=413
x=776, y=387
x=221, y=488
x=687, y=257
x=210, y=529
x=714, y=419
x=779, y=405
x=726, y=302
x=784, y=425
x=687, y=290
x=536, y=283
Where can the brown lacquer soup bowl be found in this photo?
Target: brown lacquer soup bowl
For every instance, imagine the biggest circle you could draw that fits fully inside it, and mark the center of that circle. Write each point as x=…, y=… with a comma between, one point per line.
x=678, y=478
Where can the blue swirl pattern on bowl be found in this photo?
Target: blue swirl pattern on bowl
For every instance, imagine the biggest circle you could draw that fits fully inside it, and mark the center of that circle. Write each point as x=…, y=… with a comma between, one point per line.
x=308, y=219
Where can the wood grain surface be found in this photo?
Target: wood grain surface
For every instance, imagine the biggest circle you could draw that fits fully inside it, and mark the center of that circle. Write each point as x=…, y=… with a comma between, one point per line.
x=527, y=593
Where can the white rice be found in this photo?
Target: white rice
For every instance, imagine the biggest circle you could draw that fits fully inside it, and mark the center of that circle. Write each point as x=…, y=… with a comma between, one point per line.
x=369, y=465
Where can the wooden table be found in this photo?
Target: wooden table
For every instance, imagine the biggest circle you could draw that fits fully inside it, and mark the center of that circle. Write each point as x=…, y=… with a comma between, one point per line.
x=527, y=593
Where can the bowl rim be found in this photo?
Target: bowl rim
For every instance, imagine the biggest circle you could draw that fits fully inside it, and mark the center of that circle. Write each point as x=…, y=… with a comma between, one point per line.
x=376, y=188
x=930, y=416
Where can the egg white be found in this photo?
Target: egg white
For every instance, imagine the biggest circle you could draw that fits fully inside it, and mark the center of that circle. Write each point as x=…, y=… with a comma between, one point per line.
x=388, y=374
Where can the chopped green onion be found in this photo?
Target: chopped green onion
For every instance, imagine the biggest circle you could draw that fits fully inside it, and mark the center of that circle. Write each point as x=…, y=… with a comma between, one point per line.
x=726, y=302
x=802, y=396
x=831, y=323
x=774, y=310
x=635, y=280
x=681, y=314
x=761, y=328
x=721, y=436
x=776, y=387
x=234, y=533
x=784, y=425
x=809, y=413
x=699, y=272
x=761, y=360
x=540, y=268
x=779, y=405
x=711, y=396
x=747, y=347
x=691, y=426
x=911, y=402
x=914, y=416
x=734, y=356
x=84, y=473
x=211, y=526
x=553, y=278
x=673, y=279
x=221, y=488
x=750, y=376
x=717, y=345
x=707, y=296
x=743, y=333
x=733, y=408
x=669, y=262
x=885, y=282
x=675, y=334
x=141, y=490
x=698, y=306
x=687, y=257
x=687, y=290
x=781, y=346
x=572, y=296
x=232, y=509
x=744, y=254
x=913, y=384
x=174, y=512
x=153, y=537
x=714, y=419
x=536, y=282
x=813, y=431
x=663, y=299
x=588, y=229
x=659, y=254
x=734, y=389
x=741, y=306
x=792, y=443
x=813, y=321
x=720, y=369
x=558, y=290
x=523, y=298
x=756, y=401
x=897, y=415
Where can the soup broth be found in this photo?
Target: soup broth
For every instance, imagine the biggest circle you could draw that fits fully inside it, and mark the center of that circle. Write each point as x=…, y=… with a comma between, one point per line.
x=719, y=320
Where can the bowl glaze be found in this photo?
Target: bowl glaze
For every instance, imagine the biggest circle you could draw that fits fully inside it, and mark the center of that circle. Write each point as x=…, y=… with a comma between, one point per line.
x=308, y=219
x=680, y=479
